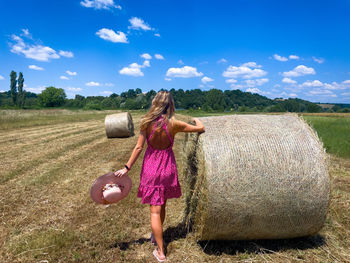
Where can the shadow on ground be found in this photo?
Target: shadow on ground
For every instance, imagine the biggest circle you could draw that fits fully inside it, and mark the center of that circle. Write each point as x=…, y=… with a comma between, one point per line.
x=232, y=247
x=218, y=247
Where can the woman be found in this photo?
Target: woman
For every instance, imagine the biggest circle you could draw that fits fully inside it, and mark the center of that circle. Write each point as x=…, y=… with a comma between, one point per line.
x=159, y=178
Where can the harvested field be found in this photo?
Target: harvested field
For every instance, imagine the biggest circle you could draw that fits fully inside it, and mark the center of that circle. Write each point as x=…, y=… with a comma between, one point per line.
x=47, y=169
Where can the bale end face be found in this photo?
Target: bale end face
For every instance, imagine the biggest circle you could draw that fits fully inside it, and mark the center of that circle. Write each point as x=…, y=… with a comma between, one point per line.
x=119, y=125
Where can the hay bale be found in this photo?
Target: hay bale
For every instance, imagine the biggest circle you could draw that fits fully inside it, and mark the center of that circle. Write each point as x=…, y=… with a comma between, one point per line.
x=256, y=177
x=119, y=125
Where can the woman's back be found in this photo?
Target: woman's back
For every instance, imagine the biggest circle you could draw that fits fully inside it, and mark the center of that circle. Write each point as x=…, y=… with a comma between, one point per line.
x=158, y=138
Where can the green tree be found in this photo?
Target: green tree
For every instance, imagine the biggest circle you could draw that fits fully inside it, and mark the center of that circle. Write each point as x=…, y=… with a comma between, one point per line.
x=13, y=86
x=21, y=93
x=312, y=107
x=52, y=97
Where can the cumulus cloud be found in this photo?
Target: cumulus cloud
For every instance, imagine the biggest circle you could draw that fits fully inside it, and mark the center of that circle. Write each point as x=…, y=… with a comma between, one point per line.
x=1, y=77
x=109, y=84
x=231, y=81
x=244, y=71
x=255, y=82
x=34, y=67
x=205, y=80
x=37, y=90
x=158, y=56
x=137, y=24
x=298, y=71
x=146, y=56
x=315, y=83
x=288, y=81
x=330, y=86
x=180, y=62
x=146, y=63
x=64, y=77
x=110, y=35
x=133, y=70
x=93, y=84
x=253, y=90
x=318, y=60
x=294, y=57
x=71, y=73
x=222, y=61
x=157, y=34
x=167, y=79
x=251, y=65
x=184, y=72
x=100, y=4
x=106, y=92
x=73, y=89
x=33, y=51
x=67, y=54
x=280, y=58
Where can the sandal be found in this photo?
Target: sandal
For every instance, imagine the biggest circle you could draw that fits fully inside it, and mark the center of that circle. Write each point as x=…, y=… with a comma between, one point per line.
x=155, y=254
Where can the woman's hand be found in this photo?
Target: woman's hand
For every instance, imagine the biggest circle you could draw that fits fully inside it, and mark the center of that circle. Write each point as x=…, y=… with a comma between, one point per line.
x=121, y=172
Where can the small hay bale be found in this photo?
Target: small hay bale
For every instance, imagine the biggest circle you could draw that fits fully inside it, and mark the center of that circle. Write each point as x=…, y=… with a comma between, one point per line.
x=255, y=177
x=119, y=125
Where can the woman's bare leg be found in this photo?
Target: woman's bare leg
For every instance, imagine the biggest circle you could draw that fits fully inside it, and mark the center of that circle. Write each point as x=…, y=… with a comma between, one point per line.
x=157, y=227
x=162, y=213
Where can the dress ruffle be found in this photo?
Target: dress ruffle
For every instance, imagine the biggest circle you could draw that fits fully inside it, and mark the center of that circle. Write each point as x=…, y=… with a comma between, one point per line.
x=156, y=195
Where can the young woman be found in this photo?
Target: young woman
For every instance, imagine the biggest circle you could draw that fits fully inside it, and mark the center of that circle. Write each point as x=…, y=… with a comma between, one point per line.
x=159, y=179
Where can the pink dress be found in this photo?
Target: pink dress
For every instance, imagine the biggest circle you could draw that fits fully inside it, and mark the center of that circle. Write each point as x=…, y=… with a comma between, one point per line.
x=158, y=178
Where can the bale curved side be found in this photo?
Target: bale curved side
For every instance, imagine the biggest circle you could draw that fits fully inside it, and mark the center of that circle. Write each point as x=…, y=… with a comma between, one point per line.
x=258, y=177
x=119, y=125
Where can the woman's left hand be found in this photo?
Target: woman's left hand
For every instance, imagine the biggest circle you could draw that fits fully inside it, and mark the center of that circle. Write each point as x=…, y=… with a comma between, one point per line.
x=121, y=172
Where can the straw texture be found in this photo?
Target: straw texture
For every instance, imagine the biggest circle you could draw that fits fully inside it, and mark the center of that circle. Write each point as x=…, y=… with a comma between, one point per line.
x=256, y=177
x=119, y=125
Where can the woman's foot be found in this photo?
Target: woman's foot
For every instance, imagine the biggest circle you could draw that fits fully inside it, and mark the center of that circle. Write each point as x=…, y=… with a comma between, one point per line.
x=159, y=256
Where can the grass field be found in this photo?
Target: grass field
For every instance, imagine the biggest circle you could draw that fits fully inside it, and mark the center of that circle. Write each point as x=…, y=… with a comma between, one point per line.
x=49, y=160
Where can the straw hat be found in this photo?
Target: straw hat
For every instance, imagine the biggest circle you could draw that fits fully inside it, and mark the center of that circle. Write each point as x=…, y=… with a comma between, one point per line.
x=108, y=188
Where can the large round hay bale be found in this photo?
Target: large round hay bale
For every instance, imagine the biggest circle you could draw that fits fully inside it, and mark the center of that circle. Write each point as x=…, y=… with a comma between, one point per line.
x=119, y=125
x=256, y=177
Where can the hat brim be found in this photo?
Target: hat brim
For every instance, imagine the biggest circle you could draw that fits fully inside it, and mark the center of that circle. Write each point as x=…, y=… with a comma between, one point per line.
x=96, y=191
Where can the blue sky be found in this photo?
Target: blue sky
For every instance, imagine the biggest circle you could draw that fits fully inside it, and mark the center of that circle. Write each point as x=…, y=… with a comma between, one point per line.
x=97, y=47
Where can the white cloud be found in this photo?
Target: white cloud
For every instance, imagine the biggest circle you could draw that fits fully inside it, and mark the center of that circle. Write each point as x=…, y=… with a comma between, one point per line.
x=319, y=91
x=64, y=77
x=231, y=81
x=205, y=80
x=251, y=65
x=34, y=67
x=288, y=81
x=106, y=92
x=253, y=90
x=146, y=63
x=346, y=82
x=315, y=83
x=71, y=73
x=184, y=72
x=318, y=60
x=244, y=72
x=67, y=54
x=298, y=71
x=37, y=52
x=158, y=56
x=167, y=79
x=294, y=57
x=138, y=23
x=146, y=56
x=100, y=4
x=293, y=95
x=256, y=82
x=110, y=35
x=280, y=58
x=133, y=70
x=346, y=94
x=26, y=33
x=157, y=34
x=73, y=89
x=222, y=60
x=37, y=90
x=109, y=84
x=1, y=77
x=92, y=84
x=180, y=62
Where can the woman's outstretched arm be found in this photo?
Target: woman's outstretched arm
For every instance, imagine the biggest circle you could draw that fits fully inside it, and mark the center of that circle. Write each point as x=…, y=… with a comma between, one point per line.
x=181, y=126
x=134, y=155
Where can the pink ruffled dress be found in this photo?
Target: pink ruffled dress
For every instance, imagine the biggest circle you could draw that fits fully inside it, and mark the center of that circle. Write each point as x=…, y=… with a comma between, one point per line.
x=158, y=178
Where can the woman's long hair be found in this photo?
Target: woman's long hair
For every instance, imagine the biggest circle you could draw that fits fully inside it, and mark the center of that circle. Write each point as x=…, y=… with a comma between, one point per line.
x=163, y=103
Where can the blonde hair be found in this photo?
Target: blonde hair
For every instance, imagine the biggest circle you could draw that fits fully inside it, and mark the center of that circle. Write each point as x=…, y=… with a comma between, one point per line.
x=163, y=103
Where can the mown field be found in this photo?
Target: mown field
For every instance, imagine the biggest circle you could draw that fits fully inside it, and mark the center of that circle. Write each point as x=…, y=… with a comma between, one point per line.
x=49, y=160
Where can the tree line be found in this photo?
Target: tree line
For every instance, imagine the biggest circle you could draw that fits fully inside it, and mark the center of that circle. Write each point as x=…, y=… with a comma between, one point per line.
x=135, y=99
